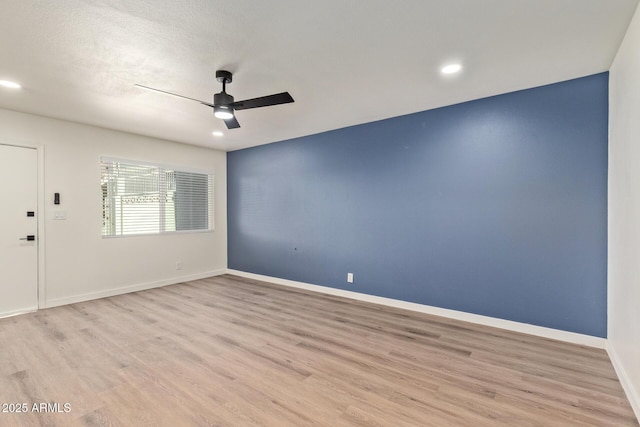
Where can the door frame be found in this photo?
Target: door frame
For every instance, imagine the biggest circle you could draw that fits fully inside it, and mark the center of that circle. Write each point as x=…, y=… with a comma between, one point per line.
x=41, y=214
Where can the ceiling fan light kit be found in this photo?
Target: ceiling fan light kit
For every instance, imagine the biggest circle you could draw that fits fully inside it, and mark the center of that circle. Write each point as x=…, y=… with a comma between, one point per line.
x=224, y=106
x=223, y=112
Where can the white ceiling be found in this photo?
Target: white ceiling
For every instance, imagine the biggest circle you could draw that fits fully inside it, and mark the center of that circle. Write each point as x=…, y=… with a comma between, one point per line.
x=345, y=62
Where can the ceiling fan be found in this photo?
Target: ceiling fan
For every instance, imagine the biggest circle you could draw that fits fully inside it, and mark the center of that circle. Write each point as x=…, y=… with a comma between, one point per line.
x=224, y=105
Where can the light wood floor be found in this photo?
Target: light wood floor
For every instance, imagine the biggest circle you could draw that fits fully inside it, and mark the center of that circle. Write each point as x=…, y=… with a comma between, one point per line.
x=228, y=351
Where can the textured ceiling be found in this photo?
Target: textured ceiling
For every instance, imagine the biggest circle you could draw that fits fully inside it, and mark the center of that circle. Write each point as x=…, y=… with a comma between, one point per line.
x=344, y=62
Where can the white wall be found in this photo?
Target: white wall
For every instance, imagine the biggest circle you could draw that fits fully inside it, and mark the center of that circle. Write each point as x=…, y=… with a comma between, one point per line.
x=78, y=263
x=624, y=214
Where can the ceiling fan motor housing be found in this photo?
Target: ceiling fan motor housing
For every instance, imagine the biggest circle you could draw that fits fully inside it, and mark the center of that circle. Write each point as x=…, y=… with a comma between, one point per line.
x=222, y=98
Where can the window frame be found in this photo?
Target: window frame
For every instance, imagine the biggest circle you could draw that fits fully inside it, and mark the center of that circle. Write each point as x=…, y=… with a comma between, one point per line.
x=164, y=166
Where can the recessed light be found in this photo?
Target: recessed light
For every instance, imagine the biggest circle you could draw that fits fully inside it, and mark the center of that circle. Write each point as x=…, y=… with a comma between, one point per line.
x=11, y=85
x=451, y=69
x=218, y=133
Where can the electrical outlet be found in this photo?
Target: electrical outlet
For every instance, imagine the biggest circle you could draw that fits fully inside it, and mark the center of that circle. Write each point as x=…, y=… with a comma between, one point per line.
x=349, y=277
x=179, y=265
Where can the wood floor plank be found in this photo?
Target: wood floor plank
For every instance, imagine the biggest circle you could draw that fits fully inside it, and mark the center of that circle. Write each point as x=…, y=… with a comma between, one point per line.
x=231, y=351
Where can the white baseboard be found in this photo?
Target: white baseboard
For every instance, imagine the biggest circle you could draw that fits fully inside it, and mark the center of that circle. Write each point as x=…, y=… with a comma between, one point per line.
x=18, y=312
x=633, y=395
x=540, y=331
x=132, y=288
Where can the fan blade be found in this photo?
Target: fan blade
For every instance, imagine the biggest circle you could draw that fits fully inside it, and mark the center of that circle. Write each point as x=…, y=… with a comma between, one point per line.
x=263, y=101
x=173, y=94
x=232, y=123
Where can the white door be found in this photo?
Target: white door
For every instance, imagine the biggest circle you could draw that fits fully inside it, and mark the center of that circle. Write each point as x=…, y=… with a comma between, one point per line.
x=18, y=225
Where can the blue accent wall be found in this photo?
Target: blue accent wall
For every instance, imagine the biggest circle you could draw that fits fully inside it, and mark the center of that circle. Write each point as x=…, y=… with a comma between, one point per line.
x=496, y=207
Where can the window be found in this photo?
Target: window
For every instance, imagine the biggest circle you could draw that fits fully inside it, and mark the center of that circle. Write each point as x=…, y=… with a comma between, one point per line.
x=141, y=198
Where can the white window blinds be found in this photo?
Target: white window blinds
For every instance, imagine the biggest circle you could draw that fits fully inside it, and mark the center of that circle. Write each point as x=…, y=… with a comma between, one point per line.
x=139, y=198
